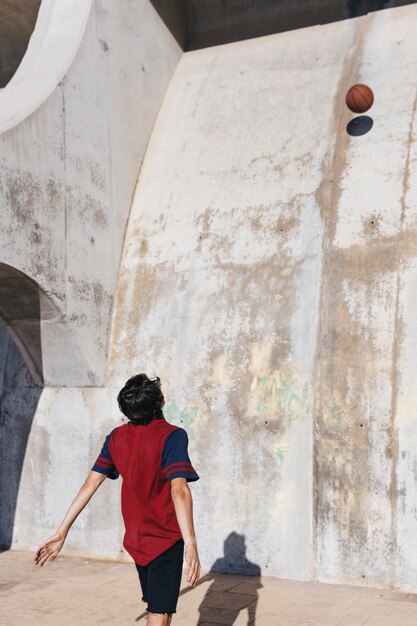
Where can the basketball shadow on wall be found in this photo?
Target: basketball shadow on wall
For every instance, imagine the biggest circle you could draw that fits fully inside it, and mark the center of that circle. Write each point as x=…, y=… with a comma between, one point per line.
x=359, y=125
x=234, y=586
x=19, y=393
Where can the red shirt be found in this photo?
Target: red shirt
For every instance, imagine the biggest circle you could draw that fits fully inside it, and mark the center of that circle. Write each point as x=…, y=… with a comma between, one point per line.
x=136, y=452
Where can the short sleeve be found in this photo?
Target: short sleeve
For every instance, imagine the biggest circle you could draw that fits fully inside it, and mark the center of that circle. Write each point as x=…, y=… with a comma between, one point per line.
x=175, y=460
x=104, y=463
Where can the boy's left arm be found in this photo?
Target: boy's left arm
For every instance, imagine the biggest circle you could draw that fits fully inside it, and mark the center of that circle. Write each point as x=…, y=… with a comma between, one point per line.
x=50, y=549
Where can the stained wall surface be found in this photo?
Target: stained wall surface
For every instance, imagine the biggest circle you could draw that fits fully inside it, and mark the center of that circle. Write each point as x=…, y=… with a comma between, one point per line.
x=268, y=276
x=68, y=174
x=270, y=282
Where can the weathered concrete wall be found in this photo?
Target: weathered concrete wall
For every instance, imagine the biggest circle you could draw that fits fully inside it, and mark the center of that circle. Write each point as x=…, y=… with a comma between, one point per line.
x=365, y=407
x=65, y=439
x=68, y=174
x=269, y=282
x=268, y=276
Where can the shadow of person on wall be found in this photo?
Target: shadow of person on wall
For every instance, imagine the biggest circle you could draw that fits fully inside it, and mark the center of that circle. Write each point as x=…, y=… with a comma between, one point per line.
x=234, y=586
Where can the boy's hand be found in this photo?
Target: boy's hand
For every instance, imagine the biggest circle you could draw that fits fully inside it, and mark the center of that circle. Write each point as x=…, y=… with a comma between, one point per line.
x=50, y=549
x=192, y=571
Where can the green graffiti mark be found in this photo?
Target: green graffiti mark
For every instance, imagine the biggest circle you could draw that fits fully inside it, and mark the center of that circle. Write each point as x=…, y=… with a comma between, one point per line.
x=280, y=454
x=291, y=399
x=286, y=397
x=186, y=416
x=335, y=414
x=329, y=407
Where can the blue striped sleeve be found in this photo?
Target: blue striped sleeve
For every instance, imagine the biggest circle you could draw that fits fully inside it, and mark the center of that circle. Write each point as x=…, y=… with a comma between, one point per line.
x=175, y=460
x=104, y=463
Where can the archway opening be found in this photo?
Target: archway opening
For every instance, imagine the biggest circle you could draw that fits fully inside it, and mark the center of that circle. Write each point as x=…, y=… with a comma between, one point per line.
x=17, y=23
x=21, y=382
x=19, y=397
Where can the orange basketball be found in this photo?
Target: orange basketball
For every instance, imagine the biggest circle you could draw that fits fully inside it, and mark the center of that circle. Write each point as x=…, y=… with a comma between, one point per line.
x=359, y=98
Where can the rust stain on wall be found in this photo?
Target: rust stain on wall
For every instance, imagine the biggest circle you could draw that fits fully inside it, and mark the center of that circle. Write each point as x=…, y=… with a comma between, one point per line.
x=347, y=361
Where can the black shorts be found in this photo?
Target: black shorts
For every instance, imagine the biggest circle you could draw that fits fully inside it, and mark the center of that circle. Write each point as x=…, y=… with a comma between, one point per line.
x=161, y=579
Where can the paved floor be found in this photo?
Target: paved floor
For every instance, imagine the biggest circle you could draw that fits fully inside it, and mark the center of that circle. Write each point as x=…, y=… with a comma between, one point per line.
x=88, y=592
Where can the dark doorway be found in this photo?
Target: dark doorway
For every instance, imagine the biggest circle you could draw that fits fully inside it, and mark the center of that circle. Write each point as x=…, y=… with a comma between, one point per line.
x=20, y=384
x=19, y=396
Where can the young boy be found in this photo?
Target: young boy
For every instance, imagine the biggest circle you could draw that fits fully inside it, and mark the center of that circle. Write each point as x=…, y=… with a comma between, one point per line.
x=152, y=457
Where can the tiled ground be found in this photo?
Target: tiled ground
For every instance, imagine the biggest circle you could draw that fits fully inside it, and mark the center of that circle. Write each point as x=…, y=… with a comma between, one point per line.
x=84, y=592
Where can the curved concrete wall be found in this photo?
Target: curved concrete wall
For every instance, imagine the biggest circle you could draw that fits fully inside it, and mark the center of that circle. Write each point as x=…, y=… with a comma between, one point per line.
x=69, y=170
x=67, y=178
x=268, y=276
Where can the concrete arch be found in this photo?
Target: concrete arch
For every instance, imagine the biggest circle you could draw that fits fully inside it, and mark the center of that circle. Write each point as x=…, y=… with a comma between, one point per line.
x=17, y=22
x=52, y=47
x=40, y=332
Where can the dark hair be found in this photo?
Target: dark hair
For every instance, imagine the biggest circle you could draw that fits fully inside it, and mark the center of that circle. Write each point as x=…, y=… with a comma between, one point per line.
x=141, y=399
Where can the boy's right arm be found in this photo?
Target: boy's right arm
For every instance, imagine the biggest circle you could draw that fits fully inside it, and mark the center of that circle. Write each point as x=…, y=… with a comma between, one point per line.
x=183, y=504
x=50, y=549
